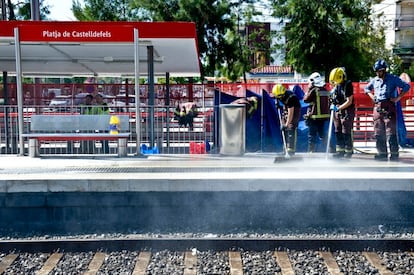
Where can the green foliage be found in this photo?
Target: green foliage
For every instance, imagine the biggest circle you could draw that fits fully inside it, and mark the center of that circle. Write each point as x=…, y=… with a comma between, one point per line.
x=102, y=10
x=212, y=20
x=320, y=34
x=24, y=12
x=325, y=34
x=410, y=70
x=217, y=22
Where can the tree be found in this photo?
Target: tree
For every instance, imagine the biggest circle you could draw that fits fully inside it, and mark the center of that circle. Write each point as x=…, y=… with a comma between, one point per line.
x=23, y=10
x=219, y=42
x=325, y=34
x=102, y=10
x=213, y=21
x=245, y=43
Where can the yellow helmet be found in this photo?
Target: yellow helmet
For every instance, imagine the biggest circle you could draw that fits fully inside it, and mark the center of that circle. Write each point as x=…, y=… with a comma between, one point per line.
x=337, y=76
x=114, y=120
x=278, y=90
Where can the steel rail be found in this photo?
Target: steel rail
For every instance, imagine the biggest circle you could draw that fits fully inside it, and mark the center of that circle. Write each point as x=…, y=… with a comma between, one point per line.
x=204, y=244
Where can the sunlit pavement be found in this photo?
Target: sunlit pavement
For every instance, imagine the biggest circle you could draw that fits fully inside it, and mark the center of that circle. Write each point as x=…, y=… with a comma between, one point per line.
x=216, y=191
x=249, y=172
x=363, y=157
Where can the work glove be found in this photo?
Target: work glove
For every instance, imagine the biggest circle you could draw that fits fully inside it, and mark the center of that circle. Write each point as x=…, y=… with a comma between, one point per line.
x=333, y=108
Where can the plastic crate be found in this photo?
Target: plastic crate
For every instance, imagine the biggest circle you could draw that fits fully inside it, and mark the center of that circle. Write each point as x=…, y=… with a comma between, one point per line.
x=197, y=147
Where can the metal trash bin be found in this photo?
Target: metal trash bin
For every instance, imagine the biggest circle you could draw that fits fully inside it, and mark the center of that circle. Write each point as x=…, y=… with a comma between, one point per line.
x=232, y=129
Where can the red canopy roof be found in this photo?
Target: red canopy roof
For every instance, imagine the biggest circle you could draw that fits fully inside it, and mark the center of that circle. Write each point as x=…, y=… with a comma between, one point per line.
x=99, y=48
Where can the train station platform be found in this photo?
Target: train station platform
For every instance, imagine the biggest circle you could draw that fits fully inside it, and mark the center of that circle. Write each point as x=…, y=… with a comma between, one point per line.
x=207, y=193
x=249, y=172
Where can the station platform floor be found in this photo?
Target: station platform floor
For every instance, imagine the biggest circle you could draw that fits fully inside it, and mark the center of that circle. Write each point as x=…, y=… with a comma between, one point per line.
x=179, y=173
x=203, y=193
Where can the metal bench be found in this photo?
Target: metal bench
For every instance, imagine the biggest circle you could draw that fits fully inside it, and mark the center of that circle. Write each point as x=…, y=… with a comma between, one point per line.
x=75, y=128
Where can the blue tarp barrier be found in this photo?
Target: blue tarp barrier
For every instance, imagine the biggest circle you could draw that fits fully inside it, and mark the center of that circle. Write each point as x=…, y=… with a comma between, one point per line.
x=401, y=130
x=269, y=139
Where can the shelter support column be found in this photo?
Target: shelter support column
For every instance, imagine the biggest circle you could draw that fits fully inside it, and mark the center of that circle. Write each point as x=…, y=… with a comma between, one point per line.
x=151, y=92
x=167, y=104
x=137, y=94
x=19, y=89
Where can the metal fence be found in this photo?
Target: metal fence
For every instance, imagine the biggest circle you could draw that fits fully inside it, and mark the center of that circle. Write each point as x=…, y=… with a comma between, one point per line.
x=160, y=134
x=159, y=129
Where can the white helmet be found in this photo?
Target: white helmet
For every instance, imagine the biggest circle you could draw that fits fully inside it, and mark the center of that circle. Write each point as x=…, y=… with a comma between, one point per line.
x=316, y=80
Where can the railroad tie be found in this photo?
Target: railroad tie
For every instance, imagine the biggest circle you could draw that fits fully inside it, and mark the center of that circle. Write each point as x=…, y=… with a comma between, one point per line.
x=283, y=262
x=95, y=263
x=330, y=263
x=142, y=263
x=6, y=262
x=376, y=261
x=50, y=264
x=190, y=263
x=235, y=261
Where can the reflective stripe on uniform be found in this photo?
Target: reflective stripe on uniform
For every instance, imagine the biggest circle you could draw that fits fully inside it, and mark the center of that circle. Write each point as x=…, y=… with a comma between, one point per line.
x=318, y=105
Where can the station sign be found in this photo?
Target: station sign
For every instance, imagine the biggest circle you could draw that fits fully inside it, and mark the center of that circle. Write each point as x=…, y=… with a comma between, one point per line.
x=106, y=32
x=78, y=33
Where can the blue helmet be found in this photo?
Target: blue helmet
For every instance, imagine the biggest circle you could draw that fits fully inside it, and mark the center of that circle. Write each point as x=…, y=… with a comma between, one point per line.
x=380, y=64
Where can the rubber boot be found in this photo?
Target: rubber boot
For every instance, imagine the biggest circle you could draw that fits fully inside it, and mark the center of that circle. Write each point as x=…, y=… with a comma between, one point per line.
x=381, y=145
x=348, y=145
x=393, y=142
x=311, y=147
x=340, y=146
x=394, y=157
x=339, y=153
x=380, y=156
x=291, y=141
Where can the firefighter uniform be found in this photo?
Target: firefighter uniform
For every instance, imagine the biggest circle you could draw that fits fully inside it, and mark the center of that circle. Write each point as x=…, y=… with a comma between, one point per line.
x=318, y=111
x=343, y=107
x=383, y=90
x=291, y=115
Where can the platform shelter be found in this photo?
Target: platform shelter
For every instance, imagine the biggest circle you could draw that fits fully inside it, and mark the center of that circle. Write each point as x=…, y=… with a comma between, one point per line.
x=98, y=49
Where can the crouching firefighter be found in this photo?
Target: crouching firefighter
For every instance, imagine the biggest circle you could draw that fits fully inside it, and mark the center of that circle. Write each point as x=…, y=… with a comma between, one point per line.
x=291, y=115
x=343, y=107
x=251, y=104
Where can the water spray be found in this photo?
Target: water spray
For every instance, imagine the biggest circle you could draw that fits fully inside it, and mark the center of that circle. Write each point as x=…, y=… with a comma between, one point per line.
x=329, y=134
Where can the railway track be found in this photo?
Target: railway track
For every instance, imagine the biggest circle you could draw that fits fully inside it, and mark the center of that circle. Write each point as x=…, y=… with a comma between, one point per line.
x=207, y=256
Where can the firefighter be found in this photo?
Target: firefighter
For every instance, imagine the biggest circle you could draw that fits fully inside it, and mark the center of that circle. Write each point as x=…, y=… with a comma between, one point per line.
x=185, y=114
x=343, y=107
x=179, y=115
x=251, y=104
x=383, y=92
x=291, y=115
x=318, y=111
x=191, y=114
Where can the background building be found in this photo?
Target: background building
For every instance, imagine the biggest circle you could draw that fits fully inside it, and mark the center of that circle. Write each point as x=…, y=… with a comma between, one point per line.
x=398, y=18
x=268, y=61
x=404, y=31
